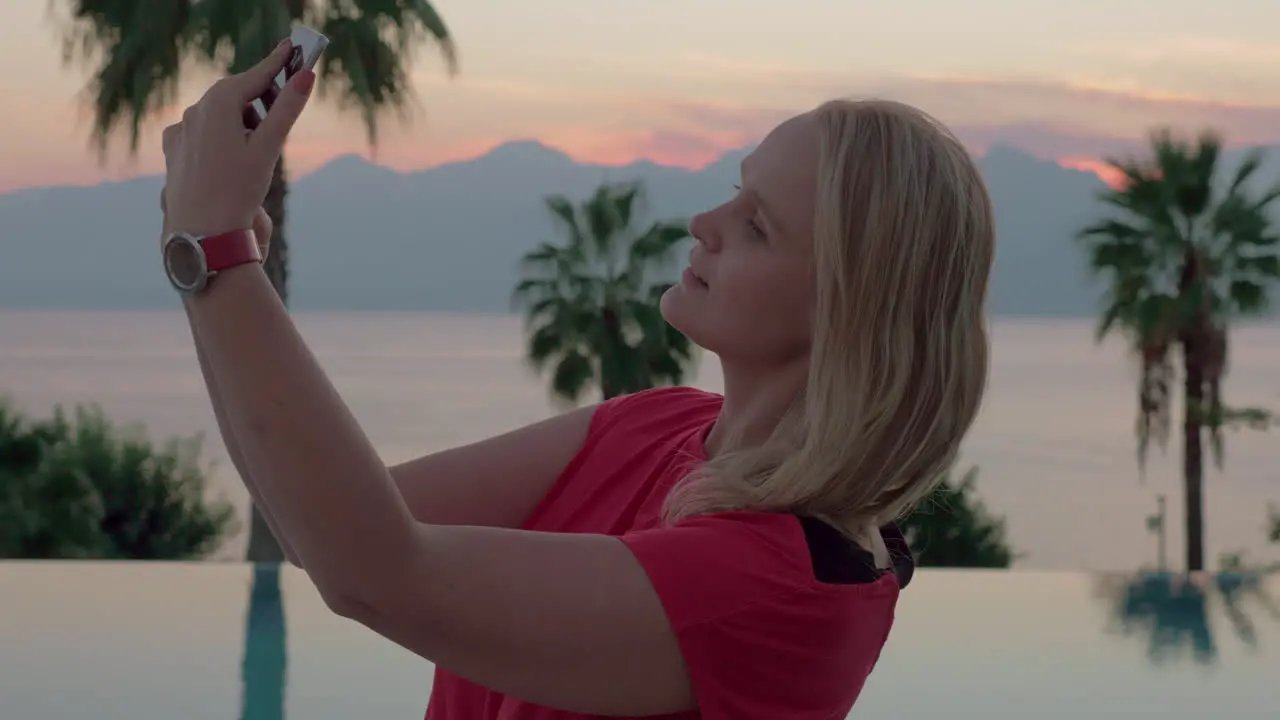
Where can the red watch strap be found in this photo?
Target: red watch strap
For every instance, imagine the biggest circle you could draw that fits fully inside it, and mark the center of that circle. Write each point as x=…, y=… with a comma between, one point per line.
x=229, y=249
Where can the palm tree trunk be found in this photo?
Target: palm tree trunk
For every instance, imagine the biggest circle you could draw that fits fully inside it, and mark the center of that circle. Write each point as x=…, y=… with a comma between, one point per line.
x=611, y=382
x=263, y=546
x=1193, y=452
x=277, y=265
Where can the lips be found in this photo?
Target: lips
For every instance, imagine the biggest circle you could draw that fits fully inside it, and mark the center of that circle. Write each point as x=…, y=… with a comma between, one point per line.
x=693, y=278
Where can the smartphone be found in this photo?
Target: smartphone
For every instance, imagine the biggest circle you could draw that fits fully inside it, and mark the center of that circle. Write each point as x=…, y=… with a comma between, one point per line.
x=308, y=45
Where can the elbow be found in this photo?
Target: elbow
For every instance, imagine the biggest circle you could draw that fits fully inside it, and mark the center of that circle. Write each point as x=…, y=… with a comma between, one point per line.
x=344, y=600
x=293, y=558
x=339, y=601
x=357, y=588
x=350, y=606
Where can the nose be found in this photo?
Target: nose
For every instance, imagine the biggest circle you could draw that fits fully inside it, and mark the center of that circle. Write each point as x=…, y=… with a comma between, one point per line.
x=702, y=228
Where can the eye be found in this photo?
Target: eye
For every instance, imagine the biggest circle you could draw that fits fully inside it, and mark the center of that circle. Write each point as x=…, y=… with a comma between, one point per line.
x=751, y=223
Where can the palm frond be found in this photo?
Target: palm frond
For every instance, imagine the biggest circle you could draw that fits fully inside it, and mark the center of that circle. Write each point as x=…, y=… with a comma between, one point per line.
x=573, y=375
x=655, y=247
x=565, y=215
x=603, y=216
x=368, y=65
x=545, y=342
x=581, y=303
x=135, y=51
x=233, y=35
x=429, y=26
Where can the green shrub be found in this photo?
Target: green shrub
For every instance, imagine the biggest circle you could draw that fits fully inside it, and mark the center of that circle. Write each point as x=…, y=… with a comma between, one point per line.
x=951, y=528
x=83, y=488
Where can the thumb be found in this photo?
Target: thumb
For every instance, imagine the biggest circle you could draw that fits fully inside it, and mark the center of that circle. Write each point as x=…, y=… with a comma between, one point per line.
x=262, y=228
x=284, y=113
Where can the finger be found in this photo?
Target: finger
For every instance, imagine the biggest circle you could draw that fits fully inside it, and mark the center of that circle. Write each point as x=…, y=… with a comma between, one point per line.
x=164, y=211
x=262, y=228
x=273, y=131
x=254, y=82
x=249, y=118
x=169, y=139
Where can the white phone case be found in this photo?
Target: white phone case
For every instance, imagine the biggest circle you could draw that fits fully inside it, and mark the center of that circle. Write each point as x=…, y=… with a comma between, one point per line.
x=308, y=45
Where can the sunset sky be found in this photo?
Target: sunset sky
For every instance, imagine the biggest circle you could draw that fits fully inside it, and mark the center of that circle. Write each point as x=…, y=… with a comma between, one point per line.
x=681, y=81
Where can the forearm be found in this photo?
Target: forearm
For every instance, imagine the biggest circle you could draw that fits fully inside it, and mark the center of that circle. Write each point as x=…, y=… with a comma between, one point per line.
x=315, y=470
x=232, y=444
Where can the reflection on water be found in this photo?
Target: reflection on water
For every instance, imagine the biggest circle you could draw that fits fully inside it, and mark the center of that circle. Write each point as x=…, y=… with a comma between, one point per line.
x=265, y=648
x=214, y=641
x=1173, y=612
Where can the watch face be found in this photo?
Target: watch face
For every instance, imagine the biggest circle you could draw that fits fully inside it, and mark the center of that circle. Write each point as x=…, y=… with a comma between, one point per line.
x=185, y=263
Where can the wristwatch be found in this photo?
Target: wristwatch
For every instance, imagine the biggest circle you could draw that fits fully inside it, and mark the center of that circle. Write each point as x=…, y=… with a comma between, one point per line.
x=191, y=261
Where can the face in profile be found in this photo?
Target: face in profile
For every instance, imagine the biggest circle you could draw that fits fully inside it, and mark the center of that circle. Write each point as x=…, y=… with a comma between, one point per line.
x=748, y=294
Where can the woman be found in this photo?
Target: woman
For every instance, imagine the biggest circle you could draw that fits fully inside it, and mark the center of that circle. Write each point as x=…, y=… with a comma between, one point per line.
x=671, y=552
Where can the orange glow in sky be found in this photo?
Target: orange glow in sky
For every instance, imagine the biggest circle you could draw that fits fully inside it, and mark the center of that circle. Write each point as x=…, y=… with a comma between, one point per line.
x=682, y=82
x=1108, y=174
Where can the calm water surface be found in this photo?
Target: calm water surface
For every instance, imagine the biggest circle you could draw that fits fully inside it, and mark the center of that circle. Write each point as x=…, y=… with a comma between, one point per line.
x=1054, y=438
x=221, y=641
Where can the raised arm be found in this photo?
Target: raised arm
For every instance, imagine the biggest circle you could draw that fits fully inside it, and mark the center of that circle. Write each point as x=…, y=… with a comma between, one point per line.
x=495, y=482
x=232, y=443
x=568, y=620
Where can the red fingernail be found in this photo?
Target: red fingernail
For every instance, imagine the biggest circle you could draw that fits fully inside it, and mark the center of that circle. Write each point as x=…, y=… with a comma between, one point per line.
x=304, y=81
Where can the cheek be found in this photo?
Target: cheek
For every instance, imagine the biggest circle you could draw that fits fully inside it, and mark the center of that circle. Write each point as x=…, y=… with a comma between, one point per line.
x=782, y=300
x=767, y=280
x=765, y=305
x=762, y=310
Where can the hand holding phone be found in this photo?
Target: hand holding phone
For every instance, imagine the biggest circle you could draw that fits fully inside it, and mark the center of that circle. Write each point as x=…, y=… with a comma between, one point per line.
x=308, y=45
x=216, y=174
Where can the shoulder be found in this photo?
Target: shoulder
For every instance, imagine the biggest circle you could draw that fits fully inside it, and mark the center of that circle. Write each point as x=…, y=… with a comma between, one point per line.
x=659, y=404
x=659, y=408
x=750, y=603
x=769, y=555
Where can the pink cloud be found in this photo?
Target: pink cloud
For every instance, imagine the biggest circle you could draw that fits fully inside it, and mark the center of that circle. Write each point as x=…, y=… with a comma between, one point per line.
x=1075, y=124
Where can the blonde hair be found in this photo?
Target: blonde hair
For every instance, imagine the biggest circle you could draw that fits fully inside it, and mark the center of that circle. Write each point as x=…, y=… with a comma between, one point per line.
x=904, y=239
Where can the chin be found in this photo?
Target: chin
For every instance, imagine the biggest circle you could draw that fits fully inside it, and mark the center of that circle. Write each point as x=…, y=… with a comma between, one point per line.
x=669, y=307
x=675, y=308
x=681, y=313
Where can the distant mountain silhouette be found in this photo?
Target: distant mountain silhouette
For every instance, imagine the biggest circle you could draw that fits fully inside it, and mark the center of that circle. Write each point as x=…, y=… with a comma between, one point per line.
x=364, y=237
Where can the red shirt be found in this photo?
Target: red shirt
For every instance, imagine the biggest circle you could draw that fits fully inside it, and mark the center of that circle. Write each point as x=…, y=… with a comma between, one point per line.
x=763, y=637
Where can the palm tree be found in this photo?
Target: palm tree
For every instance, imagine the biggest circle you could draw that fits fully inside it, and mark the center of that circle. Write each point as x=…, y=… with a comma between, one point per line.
x=590, y=309
x=1183, y=255
x=139, y=51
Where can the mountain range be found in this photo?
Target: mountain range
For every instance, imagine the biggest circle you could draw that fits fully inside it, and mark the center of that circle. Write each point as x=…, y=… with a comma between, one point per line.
x=449, y=238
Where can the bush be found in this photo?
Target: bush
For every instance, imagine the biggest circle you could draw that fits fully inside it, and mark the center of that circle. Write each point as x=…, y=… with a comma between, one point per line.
x=951, y=528
x=84, y=489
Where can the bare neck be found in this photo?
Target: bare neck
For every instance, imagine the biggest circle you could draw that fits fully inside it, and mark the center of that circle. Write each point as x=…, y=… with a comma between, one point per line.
x=755, y=400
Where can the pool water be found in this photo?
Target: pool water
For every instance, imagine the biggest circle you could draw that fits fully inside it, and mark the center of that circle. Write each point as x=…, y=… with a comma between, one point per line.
x=228, y=641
